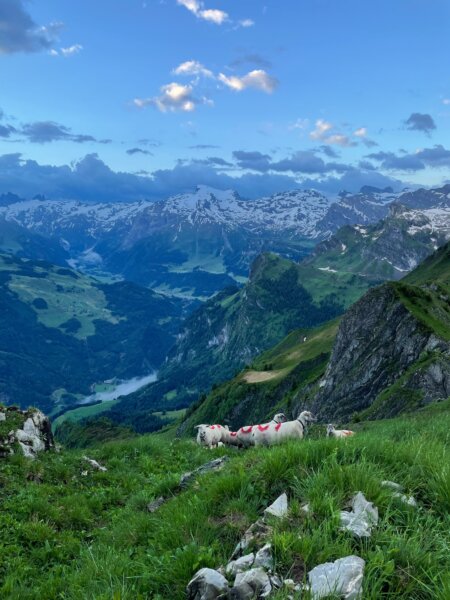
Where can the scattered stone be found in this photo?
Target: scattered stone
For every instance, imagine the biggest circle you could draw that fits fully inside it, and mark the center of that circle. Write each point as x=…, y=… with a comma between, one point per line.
x=343, y=577
x=257, y=579
x=392, y=485
x=212, y=465
x=95, y=464
x=409, y=500
x=153, y=506
x=362, y=518
x=257, y=532
x=84, y=473
x=264, y=557
x=279, y=508
x=241, y=564
x=306, y=509
x=2, y=417
x=207, y=584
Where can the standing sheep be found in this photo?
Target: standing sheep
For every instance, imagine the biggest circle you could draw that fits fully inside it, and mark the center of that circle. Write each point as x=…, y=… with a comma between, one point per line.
x=210, y=435
x=338, y=433
x=276, y=433
x=244, y=435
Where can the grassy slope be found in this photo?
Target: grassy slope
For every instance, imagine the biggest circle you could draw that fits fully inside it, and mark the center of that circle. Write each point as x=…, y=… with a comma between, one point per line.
x=298, y=359
x=71, y=536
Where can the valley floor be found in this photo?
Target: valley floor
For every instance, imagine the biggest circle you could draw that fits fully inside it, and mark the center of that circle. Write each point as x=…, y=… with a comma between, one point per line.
x=72, y=533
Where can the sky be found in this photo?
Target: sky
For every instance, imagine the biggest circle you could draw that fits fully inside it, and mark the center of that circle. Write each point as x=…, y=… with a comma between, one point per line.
x=129, y=99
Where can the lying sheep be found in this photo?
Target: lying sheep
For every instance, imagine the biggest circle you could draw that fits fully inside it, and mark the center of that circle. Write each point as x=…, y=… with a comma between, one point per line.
x=338, y=433
x=244, y=435
x=276, y=433
x=211, y=435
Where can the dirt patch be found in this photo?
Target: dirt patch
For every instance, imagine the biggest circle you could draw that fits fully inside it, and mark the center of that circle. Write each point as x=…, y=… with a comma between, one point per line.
x=261, y=376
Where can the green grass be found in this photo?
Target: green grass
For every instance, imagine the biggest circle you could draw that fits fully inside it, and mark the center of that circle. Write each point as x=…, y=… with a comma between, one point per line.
x=67, y=535
x=83, y=412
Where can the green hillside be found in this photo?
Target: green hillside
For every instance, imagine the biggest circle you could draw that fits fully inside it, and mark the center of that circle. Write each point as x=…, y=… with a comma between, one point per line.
x=71, y=532
x=61, y=331
x=228, y=331
x=269, y=384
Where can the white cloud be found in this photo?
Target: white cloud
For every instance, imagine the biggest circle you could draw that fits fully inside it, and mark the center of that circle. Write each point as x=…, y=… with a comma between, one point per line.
x=246, y=23
x=212, y=15
x=446, y=101
x=323, y=130
x=174, y=97
x=301, y=124
x=257, y=79
x=71, y=50
x=192, y=67
x=361, y=132
x=53, y=52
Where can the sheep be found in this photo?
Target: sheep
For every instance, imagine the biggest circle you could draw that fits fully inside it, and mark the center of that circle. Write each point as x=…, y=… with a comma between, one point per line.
x=338, y=433
x=276, y=433
x=244, y=435
x=210, y=435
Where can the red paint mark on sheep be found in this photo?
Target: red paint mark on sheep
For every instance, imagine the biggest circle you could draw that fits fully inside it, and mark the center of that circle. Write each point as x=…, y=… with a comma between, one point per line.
x=278, y=426
x=263, y=427
x=246, y=430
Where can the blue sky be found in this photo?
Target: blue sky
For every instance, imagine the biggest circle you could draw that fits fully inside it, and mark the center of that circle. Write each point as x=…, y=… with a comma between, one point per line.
x=131, y=98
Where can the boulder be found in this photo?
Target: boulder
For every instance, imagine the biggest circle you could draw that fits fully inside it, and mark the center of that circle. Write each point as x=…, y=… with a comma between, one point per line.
x=257, y=532
x=207, y=584
x=343, y=578
x=279, y=508
x=257, y=579
x=35, y=435
x=361, y=519
x=2, y=416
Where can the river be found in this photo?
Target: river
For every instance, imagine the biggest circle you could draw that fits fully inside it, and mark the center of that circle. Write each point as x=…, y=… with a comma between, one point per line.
x=123, y=388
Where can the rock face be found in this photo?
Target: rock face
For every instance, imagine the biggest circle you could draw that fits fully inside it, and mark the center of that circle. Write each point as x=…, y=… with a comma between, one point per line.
x=30, y=431
x=379, y=338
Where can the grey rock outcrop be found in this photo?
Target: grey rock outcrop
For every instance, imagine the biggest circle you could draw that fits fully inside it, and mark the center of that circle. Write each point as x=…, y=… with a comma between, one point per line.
x=279, y=508
x=255, y=582
x=30, y=430
x=212, y=465
x=377, y=341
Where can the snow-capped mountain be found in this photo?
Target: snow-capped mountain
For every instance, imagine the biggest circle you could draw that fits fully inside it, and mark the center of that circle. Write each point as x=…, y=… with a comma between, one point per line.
x=195, y=244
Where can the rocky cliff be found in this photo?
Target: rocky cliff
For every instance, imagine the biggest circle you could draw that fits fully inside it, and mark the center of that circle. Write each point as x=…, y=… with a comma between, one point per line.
x=384, y=359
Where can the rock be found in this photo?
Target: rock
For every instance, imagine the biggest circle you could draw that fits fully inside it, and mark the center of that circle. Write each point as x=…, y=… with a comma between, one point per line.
x=343, y=577
x=305, y=508
x=279, y=508
x=362, y=518
x=276, y=582
x=392, y=485
x=212, y=465
x=258, y=532
x=2, y=417
x=264, y=557
x=242, y=592
x=257, y=579
x=153, y=506
x=241, y=564
x=409, y=500
x=35, y=435
x=95, y=464
x=207, y=584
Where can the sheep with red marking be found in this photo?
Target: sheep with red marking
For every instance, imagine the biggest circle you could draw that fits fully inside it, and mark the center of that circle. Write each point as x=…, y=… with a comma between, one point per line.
x=338, y=433
x=275, y=433
x=244, y=435
x=210, y=435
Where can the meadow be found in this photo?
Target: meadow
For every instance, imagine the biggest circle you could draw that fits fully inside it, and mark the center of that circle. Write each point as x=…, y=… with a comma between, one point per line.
x=69, y=532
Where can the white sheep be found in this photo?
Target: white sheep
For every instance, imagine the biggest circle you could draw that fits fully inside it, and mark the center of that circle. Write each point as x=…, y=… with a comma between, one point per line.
x=277, y=433
x=210, y=435
x=338, y=433
x=244, y=435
